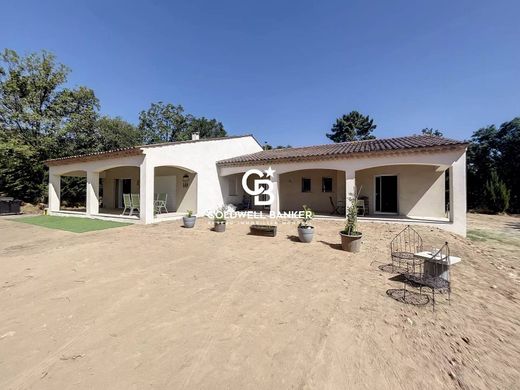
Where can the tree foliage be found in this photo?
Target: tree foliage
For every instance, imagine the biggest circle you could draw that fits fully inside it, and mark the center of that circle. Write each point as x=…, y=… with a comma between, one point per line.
x=207, y=128
x=39, y=119
x=492, y=152
x=270, y=147
x=116, y=133
x=432, y=131
x=496, y=193
x=168, y=122
x=352, y=127
x=162, y=123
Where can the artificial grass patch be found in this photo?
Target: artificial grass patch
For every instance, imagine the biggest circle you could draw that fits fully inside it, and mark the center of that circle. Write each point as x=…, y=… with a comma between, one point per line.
x=70, y=224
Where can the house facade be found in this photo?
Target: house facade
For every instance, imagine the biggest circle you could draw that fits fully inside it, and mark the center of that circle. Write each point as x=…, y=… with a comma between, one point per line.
x=416, y=179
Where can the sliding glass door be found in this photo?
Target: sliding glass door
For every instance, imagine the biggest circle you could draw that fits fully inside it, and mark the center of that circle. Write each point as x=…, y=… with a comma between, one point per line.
x=386, y=194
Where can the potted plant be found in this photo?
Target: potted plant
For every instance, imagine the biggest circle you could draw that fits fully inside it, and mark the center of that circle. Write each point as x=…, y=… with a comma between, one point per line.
x=350, y=237
x=306, y=231
x=189, y=220
x=219, y=217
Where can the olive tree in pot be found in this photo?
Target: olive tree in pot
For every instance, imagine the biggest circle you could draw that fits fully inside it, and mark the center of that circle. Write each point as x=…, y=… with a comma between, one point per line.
x=350, y=237
x=189, y=220
x=306, y=231
x=219, y=217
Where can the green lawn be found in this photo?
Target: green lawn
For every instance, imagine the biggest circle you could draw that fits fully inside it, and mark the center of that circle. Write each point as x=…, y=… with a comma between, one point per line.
x=70, y=224
x=502, y=237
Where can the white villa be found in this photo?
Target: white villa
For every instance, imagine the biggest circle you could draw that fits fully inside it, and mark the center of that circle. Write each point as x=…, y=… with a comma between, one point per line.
x=415, y=179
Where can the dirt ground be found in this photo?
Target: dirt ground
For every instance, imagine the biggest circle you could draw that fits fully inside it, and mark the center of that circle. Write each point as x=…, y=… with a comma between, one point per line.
x=163, y=307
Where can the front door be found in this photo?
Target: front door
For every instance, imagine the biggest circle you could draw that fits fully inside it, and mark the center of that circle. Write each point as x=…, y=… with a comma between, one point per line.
x=386, y=194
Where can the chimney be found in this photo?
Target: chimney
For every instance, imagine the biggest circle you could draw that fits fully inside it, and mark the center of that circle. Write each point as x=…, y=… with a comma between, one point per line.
x=195, y=136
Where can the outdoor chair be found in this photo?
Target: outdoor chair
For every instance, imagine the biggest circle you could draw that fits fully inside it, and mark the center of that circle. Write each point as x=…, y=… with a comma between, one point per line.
x=361, y=206
x=160, y=203
x=127, y=203
x=434, y=273
x=135, y=203
x=335, y=208
x=403, y=248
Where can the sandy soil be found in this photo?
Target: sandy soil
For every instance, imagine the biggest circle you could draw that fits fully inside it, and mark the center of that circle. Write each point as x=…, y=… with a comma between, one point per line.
x=163, y=307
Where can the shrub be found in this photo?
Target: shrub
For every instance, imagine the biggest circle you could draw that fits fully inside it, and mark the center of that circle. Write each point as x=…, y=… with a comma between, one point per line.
x=352, y=214
x=496, y=194
x=308, y=215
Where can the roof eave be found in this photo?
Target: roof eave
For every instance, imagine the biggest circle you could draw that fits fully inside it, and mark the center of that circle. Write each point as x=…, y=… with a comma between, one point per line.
x=96, y=156
x=428, y=149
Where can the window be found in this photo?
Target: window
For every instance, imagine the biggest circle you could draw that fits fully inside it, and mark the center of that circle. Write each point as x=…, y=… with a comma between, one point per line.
x=306, y=185
x=326, y=184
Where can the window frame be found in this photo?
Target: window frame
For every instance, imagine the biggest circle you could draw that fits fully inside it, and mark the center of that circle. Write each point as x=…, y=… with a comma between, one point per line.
x=323, y=184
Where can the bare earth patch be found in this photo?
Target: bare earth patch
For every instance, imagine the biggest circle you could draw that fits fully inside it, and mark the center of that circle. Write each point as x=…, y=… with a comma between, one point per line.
x=164, y=307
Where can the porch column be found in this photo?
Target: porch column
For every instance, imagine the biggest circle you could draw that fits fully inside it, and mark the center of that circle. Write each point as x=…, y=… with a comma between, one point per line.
x=458, y=195
x=92, y=193
x=54, y=191
x=275, y=206
x=146, y=183
x=350, y=188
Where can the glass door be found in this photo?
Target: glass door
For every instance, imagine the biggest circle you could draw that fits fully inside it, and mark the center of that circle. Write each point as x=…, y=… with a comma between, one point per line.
x=386, y=194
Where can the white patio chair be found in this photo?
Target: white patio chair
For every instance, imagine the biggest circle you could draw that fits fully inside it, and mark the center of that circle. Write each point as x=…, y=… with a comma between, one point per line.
x=160, y=203
x=135, y=203
x=127, y=203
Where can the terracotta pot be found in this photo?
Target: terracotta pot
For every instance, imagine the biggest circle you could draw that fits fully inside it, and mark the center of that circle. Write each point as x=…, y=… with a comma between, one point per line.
x=306, y=233
x=220, y=226
x=351, y=243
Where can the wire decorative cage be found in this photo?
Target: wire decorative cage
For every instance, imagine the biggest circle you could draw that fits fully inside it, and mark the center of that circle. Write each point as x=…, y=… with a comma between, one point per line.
x=434, y=273
x=403, y=248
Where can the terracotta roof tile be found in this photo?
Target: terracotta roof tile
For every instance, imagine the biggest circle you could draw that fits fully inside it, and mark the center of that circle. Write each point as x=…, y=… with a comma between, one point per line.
x=135, y=150
x=346, y=149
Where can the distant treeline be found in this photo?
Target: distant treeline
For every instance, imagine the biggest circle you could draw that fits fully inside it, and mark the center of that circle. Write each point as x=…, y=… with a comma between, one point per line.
x=41, y=118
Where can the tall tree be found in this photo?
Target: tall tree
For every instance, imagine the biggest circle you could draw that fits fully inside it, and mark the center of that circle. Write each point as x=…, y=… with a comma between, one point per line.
x=508, y=145
x=352, y=127
x=167, y=123
x=431, y=131
x=116, y=133
x=207, y=128
x=481, y=161
x=39, y=119
x=162, y=123
x=494, y=152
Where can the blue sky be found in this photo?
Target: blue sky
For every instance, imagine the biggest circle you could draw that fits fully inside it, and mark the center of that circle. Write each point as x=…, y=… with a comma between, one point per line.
x=285, y=70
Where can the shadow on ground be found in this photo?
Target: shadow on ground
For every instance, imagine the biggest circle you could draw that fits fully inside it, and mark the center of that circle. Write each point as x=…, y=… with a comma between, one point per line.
x=332, y=245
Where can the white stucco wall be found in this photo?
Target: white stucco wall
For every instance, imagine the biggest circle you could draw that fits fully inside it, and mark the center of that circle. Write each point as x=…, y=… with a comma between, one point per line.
x=201, y=158
x=420, y=178
x=185, y=196
x=203, y=194
x=420, y=189
x=422, y=173
x=292, y=198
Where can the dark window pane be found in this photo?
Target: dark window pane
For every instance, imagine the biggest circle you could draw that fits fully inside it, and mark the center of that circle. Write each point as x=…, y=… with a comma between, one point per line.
x=306, y=185
x=326, y=184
